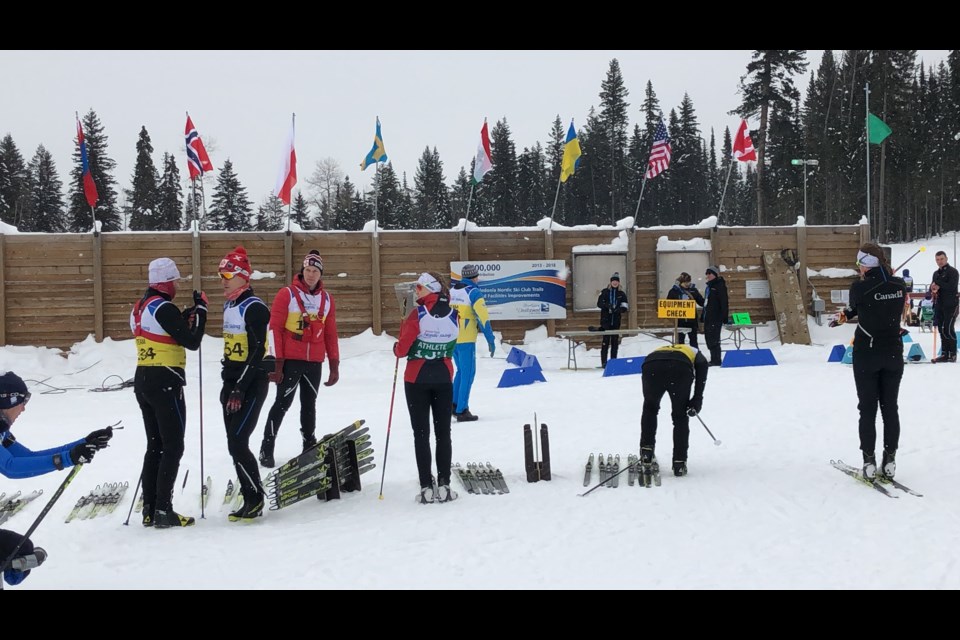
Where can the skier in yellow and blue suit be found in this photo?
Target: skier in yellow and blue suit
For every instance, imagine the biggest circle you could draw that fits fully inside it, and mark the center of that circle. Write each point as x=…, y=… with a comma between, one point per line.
x=467, y=299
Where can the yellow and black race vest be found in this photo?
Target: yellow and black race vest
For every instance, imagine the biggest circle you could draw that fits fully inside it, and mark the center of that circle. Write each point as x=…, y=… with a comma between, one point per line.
x=235, y=343
x=688, y=351
x=307, y=308
x=155, y=347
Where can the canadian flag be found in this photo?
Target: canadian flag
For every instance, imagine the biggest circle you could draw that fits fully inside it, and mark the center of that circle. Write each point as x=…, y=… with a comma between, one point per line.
x=742, y=145
x=288, y=169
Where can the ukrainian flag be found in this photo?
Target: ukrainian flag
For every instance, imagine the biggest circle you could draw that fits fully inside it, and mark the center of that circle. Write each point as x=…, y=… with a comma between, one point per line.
x=378, y=153
x=571, y=154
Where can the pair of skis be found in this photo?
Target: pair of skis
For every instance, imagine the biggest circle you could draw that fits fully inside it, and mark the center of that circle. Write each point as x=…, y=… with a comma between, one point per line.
x=882, y=483
x=478, y=479
x=537, y=468
x=13, y=505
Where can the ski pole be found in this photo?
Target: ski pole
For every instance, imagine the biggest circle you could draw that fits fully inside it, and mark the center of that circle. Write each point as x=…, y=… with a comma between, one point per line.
x=605, y=481
x=135, y=492
x=36, y=523
x=202, y=476
x=910, y=258
x=693, y=414
x=386, y=447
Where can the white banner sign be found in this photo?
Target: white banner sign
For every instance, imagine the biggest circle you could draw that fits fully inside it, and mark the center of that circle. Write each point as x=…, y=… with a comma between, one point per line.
x=521, y=289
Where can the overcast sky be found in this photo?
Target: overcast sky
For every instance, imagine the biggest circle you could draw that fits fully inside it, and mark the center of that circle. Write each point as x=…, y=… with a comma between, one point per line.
x=241, y=102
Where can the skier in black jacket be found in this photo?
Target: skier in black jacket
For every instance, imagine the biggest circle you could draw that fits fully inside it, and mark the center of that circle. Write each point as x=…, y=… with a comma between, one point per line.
x=716, y=308
x=944, y=288
x=612, y=303
x=672, y=369
x=162, y=333
x=877, y=299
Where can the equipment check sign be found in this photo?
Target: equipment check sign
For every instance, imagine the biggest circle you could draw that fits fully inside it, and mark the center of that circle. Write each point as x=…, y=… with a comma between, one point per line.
x=676, y=309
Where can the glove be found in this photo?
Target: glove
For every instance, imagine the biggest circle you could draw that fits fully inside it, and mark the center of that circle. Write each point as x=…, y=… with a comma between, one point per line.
x=334, y=375
x=13, y=577
x=100, y=438
x=493, y=348
x=841, y=319
x=694, y=405
x=234, y=401
x=277, y=374
x=396, y=349
x=200, y=299
x=83, y=453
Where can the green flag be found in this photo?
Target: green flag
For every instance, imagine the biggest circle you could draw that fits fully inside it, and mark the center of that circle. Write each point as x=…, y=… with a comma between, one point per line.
x=877, y=129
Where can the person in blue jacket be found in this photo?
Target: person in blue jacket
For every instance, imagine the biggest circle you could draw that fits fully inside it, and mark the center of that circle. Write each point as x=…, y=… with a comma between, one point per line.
x=16, y=461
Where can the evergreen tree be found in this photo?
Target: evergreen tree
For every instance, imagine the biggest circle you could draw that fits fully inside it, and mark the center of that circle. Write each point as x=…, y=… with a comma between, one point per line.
x=784, y=181
x=389, y=200
x=500, y=184
x=13, y=181
x=43, y=209
x=460, y=195
x=301, y=213
x=169, y=196
x=342, y=208
x=611, y=139
x=655, y=197
x=360, y=211
x=768, y=84
x=101, y=169
x=230, y=207
x=531, y=186
x=688, y=167
x=143, y=197
x=431, y=200
x=404, y=216
x=271, y=215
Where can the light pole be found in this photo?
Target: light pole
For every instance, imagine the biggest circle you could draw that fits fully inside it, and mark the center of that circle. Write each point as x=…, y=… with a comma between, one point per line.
x=804, y=163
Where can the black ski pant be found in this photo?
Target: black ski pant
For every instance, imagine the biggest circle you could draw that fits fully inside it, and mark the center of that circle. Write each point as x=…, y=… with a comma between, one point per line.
x=296, y=373
x=8, y=542
x=240, y=426
x=946, y=326
x=165, y=421
x=877, y=375
x=611, y=343
x=693, y=336
x=421, y=398
x=676, y=379
x=711, y=332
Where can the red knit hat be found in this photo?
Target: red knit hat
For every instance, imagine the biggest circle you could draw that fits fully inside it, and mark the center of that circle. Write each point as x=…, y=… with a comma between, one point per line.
x=237, y=263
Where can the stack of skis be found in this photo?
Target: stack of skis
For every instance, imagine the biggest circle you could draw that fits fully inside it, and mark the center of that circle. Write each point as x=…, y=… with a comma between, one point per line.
x=11, y=506
x=537, y=469
x=644, y=475
x=332, y=465
x=101, y=501
x=478, y=478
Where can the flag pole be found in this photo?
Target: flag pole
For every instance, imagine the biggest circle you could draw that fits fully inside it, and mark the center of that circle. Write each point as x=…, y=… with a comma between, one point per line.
x=466, y=218
x=643, y=185
x=724, y=194
x=866, y=90
x=554, y=210
x=376, y=198
x=293, y=127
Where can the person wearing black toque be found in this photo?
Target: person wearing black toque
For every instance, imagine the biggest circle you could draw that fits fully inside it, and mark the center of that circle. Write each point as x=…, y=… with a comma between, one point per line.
x=16, y=461
x=612, y=303
x=716, y=308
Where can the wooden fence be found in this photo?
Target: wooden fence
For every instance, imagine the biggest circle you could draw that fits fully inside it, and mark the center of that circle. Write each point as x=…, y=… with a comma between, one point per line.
x=58, y=288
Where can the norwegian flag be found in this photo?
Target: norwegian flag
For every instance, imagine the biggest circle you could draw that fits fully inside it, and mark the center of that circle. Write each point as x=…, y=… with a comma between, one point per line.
x=743, y=146
x=197, y=159
x=89, y=186
x=659, y=152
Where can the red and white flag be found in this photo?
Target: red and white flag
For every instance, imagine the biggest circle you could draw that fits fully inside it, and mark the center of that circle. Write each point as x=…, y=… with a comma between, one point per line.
x=743, y=146
x=288, y=169
x=484, y=161
x=198, y=162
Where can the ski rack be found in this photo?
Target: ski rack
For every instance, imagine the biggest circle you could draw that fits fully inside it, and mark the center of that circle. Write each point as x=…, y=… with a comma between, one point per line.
x=537, y=469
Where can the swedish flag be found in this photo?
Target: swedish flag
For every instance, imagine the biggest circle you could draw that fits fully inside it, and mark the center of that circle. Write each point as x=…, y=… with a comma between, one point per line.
x=378, y=153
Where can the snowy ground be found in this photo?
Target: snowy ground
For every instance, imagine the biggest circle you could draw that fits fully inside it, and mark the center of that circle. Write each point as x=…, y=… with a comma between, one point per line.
x=764, y=510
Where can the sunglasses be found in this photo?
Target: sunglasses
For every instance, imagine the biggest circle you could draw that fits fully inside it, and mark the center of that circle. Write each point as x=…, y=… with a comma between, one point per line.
x=228, y=275
x=13, y=395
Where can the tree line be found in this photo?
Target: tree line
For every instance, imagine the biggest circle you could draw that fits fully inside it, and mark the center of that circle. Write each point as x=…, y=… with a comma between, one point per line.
x=914, y=183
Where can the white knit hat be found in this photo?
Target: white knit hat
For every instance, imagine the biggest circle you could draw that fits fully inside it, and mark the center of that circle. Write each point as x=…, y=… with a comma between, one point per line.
x=163, y=270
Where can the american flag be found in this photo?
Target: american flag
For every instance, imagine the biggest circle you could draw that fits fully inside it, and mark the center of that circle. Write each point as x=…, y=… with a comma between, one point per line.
x=659, y=152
